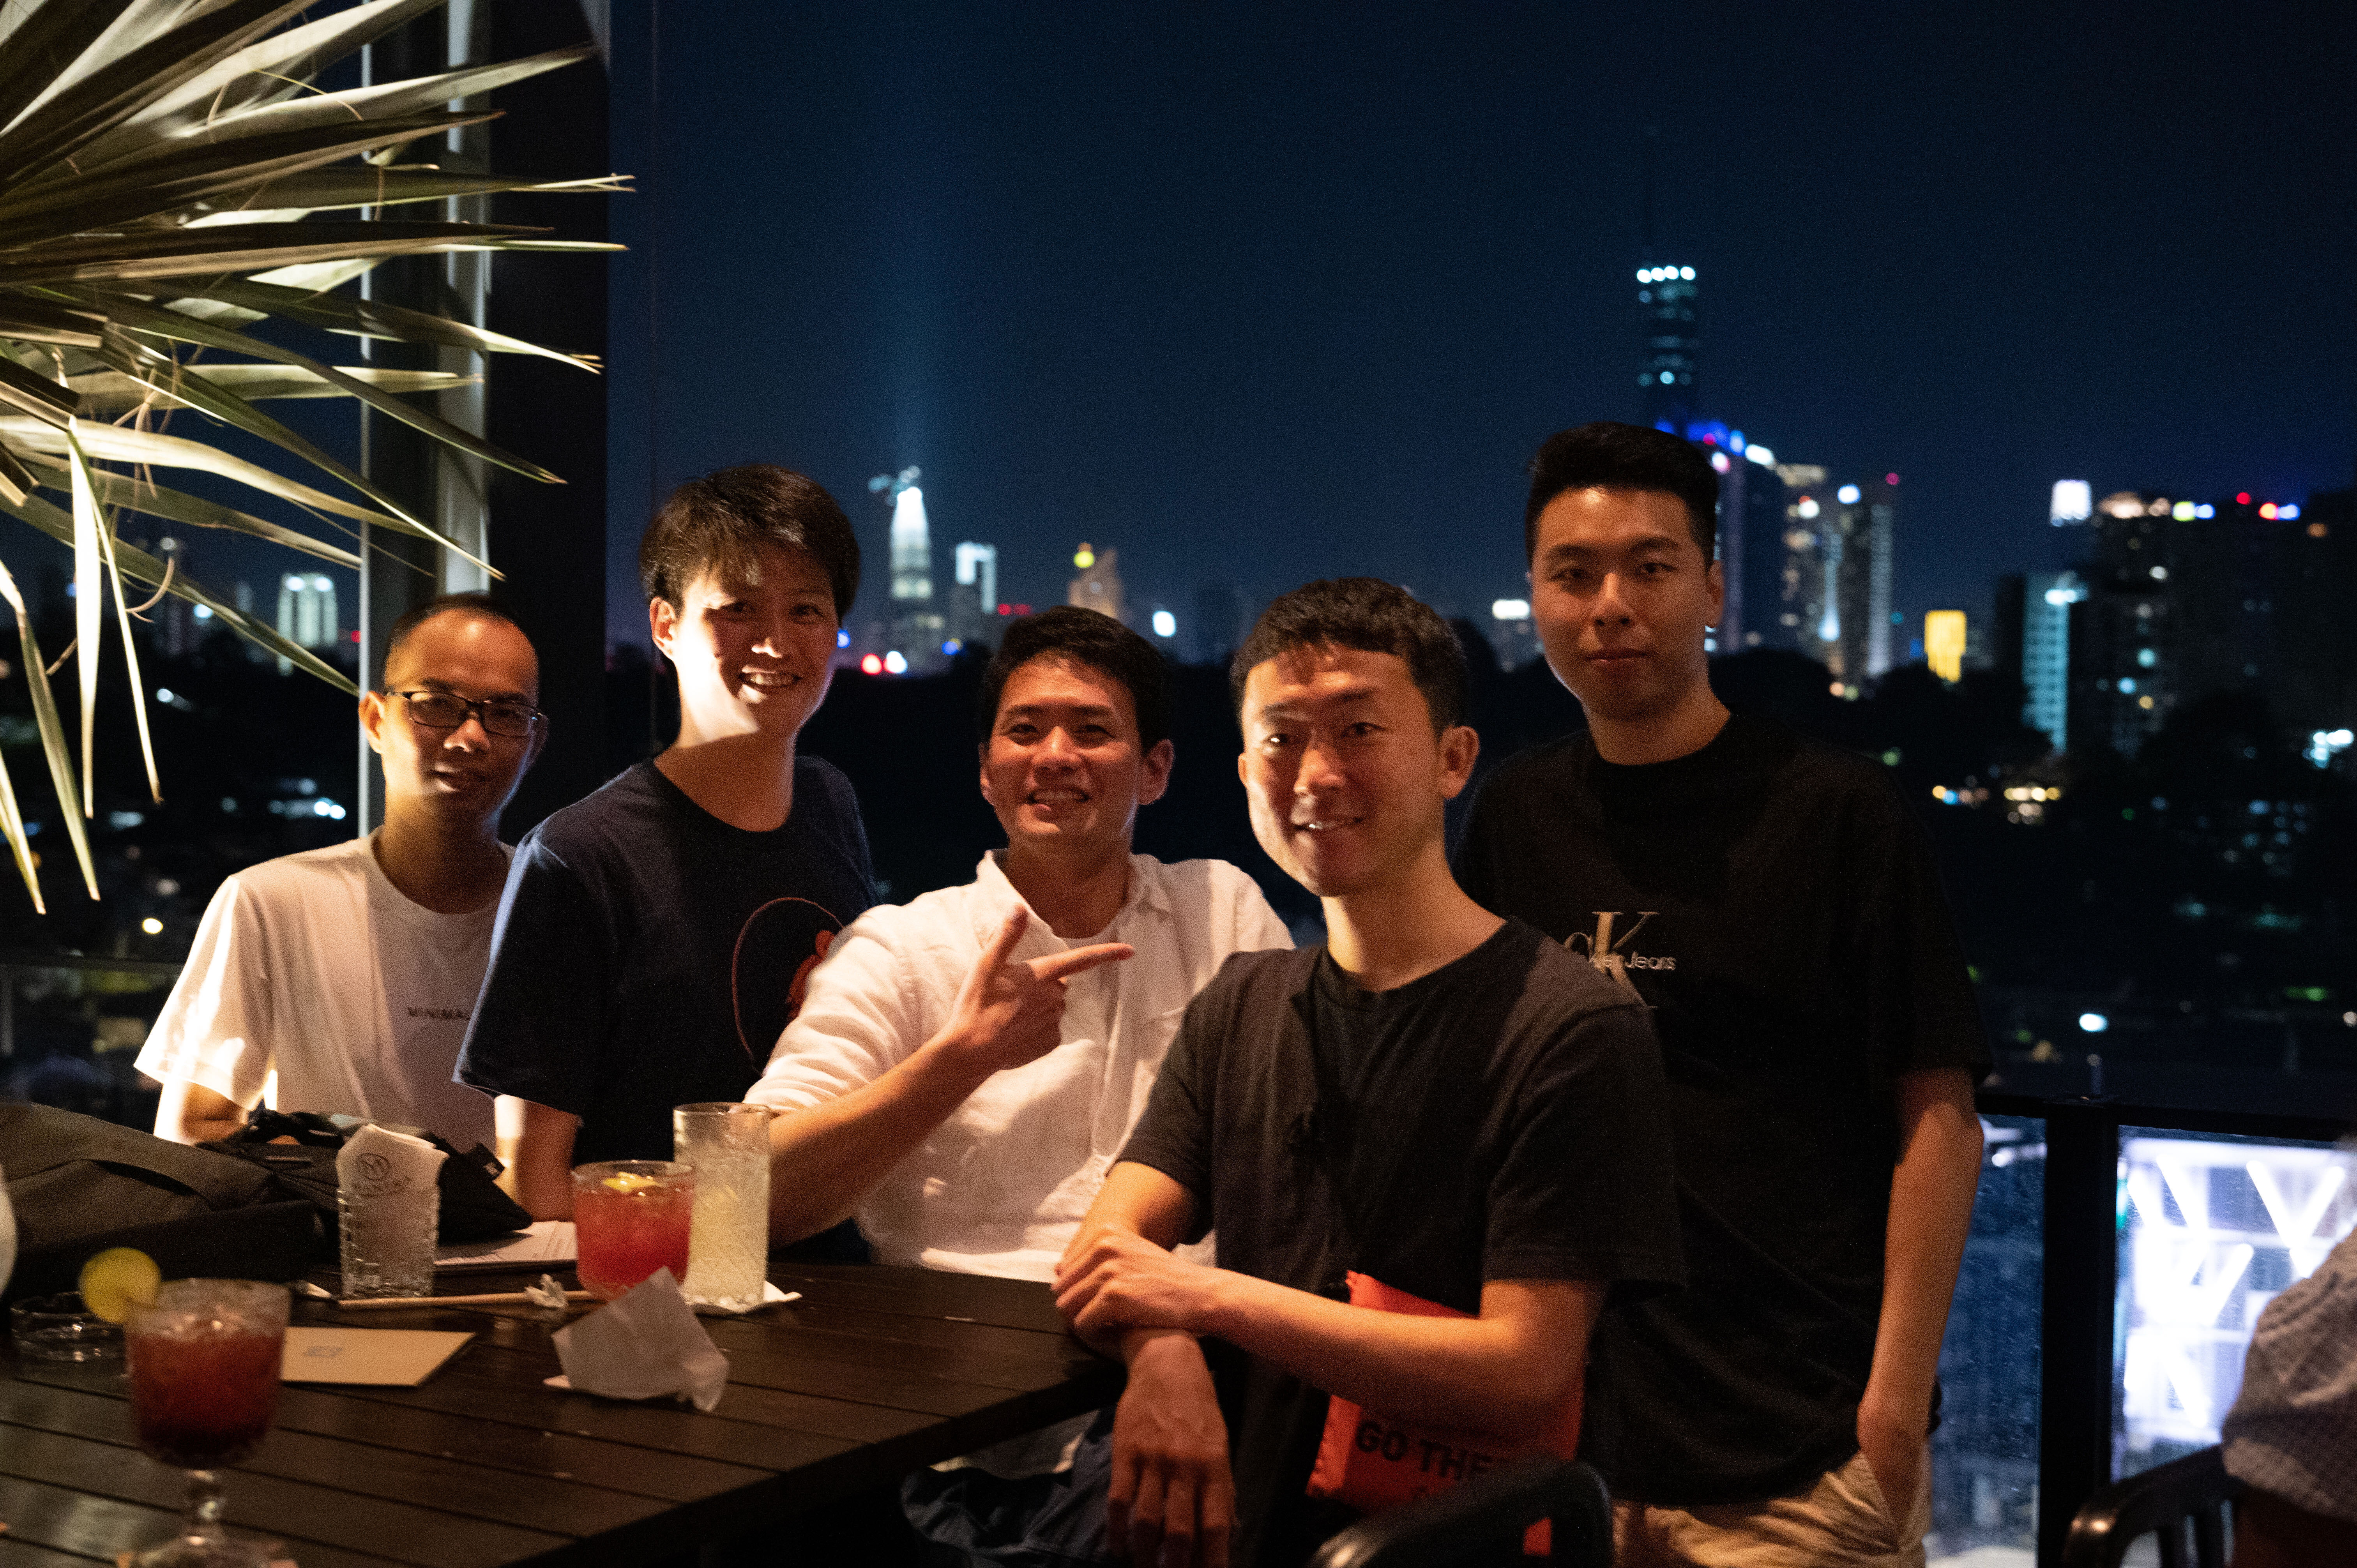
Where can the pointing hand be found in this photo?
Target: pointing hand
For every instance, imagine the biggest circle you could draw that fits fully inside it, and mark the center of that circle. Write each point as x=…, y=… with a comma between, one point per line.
x=1011, y=1011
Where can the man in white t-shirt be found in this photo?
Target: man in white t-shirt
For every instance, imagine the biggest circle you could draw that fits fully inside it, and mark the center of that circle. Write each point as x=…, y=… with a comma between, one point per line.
x=343, y=978
x=965, y=1067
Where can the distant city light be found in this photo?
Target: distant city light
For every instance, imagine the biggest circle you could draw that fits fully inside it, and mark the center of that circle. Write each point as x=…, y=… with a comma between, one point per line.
x=1847, y=495
x=1686, y=273
x=1165, y=624
x=2146, y=658
x=2093, y=1023
x=1510, y=609
x=895, y=664
x=2289, y=512
x=871, y=665
x=2242, y=497
x=2268, y=511
x=1889, y=479
x=2182, y=511
x=203, y=612
x=152, y=926
x=1667, y=377
x=953, y=646
x=2160, y=573
x=2323, y=746
x=2205, y=510
x=1943, y=644
x=2074, y=501
x=1760, y=454
x=164, y=695
x=1735, y=442
x=1808, y=507
x=2127, y=686
x=2061, y=597
x=1718, y=461
x=843, y=640
x=1084, y=557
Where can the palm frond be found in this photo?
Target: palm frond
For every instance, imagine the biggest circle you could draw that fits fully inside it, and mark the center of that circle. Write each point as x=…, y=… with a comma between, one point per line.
x=164, y=167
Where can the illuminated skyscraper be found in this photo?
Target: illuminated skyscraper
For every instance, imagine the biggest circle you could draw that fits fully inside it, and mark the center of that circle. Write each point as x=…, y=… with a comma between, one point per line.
x=2046, y=601
x=1837, y=590
x=974, y=598
x=1098, y=587
x=912, y=548
x=1666, y=380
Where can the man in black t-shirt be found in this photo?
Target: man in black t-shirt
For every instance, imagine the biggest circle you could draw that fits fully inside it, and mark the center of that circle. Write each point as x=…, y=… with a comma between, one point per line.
x=1436, y=1098
x=654, y=936
x=1775, y=903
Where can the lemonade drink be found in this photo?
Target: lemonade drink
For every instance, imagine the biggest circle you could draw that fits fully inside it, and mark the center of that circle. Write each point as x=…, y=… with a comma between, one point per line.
x=728, y=1255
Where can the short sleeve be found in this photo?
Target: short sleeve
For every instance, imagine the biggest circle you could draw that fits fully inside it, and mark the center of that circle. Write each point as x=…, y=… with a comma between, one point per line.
x=541, y=1024
x=856, y=1023
x=1174, y=1136
x=215, y=1028
x=1916, y=994
x=1584, y=1189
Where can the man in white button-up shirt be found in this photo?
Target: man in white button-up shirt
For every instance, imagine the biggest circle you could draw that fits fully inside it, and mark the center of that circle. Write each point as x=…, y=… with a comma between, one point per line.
x=965, y=1067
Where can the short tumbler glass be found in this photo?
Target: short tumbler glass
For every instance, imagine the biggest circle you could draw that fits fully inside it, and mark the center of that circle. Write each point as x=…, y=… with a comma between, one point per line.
x=630, y=1218
x=61, y=1328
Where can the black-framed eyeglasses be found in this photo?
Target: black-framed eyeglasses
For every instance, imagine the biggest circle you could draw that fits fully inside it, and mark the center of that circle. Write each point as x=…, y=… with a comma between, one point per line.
x=448, y=710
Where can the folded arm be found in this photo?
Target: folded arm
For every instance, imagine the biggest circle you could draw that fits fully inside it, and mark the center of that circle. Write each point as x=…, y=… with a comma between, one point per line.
x=536, y=1145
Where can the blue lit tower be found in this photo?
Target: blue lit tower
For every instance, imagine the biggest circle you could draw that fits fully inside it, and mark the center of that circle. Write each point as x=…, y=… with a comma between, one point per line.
x=1666, y=293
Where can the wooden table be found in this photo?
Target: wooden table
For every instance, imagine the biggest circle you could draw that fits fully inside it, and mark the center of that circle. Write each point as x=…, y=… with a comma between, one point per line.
x=873, y=1372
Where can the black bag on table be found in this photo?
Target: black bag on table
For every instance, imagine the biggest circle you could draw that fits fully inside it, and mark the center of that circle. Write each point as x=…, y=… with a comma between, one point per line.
x=78, y=1186
x=473, y=1208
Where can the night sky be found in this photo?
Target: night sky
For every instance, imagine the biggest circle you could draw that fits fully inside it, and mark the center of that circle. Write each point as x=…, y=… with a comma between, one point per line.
x=1270, y=294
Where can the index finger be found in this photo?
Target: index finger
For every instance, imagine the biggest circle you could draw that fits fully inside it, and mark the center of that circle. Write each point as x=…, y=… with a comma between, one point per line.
x=1010, y=932
x=1078, y=960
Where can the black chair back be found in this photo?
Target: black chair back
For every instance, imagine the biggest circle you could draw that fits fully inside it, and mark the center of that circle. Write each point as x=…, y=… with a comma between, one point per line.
x=2188, y=1494
x=1483, y=1521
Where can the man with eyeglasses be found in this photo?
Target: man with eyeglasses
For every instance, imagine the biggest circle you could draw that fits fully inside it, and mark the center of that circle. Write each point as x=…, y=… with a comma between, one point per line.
x=343, y=978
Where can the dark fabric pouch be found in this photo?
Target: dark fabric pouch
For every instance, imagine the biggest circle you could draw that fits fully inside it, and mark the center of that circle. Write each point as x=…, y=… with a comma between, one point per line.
x=472, y=1205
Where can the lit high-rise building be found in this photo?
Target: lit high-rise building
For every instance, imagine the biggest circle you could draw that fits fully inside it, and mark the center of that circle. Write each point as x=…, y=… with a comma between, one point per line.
x=1672, y=347
x=1945, y=638
x=913, y=549
x=1837, y=590
x=974, y=597
x=307, y=610
x=2047, y=598
x=1098, y=587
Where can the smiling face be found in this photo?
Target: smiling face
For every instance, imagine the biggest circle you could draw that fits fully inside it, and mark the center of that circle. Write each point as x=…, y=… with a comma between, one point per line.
x=1062, y=767
x=1346, y=778
x=752, y=657
x=464, y=772
x=1620, y=597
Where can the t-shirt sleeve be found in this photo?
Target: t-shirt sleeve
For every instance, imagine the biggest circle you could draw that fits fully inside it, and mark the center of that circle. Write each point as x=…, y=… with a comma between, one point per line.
x=2293, y=1430
x=540, y=1026
x=1916, y=992
x=215, y=1028
x=1472, y=862
x=1174, y=1136
x=858, y=1022
x=1586, y=1188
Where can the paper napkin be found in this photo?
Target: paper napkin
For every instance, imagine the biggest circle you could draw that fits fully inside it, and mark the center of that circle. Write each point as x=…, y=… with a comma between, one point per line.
x=643, y=1345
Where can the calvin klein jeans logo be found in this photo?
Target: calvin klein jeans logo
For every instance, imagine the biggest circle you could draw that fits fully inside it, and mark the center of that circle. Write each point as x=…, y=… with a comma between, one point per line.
x=1606, y=952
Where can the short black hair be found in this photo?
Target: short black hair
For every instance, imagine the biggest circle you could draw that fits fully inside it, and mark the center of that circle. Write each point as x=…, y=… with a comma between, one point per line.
x=1369, y=615
x=719, y=524
x=1089, y=638
x=1613, y=457
x=478, y=604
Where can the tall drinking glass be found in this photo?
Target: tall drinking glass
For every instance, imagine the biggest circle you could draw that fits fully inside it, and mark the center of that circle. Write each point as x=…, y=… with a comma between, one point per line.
x=204, y=1389
x=728, y=1254
x=630, y=1218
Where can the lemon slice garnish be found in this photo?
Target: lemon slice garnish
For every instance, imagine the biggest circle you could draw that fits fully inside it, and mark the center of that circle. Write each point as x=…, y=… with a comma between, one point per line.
x=630, y=1181
x=118, y=1279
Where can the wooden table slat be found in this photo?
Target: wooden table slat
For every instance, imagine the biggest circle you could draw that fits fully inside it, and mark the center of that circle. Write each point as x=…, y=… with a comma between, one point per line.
x=71, y=1520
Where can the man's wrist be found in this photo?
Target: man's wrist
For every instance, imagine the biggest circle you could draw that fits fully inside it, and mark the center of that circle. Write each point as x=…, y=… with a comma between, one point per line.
x=1136, y=1342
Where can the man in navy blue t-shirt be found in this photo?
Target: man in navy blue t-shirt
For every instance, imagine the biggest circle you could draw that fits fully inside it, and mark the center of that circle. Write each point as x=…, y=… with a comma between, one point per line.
x=653, y=937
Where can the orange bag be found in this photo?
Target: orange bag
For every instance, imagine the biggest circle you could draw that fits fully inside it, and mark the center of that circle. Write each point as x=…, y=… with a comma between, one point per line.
x=1372, y=1463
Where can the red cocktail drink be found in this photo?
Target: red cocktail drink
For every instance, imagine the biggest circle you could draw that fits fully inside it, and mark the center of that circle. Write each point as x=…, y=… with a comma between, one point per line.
x=630, y=1218
x=203, y=1400
x=204, y=1387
